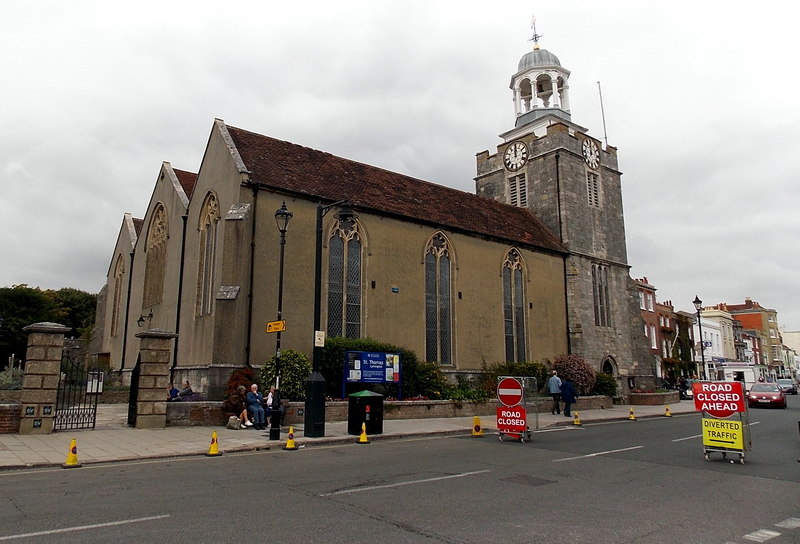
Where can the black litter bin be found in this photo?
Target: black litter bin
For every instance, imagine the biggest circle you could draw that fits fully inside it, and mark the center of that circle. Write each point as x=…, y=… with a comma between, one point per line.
x=365, y=407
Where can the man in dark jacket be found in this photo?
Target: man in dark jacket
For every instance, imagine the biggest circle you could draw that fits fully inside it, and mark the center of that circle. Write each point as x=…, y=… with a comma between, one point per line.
x=568, y=395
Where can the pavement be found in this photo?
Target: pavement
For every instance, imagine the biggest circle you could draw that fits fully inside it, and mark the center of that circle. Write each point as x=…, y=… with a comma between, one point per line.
x=113, y=441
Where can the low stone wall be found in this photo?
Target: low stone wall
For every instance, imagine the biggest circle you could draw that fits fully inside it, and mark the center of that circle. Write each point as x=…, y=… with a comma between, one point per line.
x=10, y=395
x=652, y=399
x=9, y=417
x=212, y=413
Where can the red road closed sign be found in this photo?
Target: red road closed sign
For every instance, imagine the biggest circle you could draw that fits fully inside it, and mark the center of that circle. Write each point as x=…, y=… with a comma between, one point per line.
x=719, y=399
x=511, y=420
x=509, y=392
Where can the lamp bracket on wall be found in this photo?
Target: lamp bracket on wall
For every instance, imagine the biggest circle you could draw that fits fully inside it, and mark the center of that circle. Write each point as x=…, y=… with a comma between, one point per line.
x=142, y=318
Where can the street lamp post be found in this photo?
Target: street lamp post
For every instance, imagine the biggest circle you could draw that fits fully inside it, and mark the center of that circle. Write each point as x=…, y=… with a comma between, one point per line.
x=698, y=305
x=314, y=422
x=282, y=216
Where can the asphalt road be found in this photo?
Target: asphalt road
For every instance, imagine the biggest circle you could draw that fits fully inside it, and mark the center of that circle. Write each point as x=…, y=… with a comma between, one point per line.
x=626, y=482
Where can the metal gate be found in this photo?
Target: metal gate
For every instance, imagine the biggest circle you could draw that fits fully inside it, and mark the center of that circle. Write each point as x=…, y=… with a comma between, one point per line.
x=78, y=389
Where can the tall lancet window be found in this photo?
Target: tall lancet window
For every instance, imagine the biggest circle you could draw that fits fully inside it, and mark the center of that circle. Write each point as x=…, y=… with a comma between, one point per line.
x=602, y=307
x=116, y=308
x=514, y=307
x=208, y=226
x=156, y=260
x=438, y=301
x=344, y=280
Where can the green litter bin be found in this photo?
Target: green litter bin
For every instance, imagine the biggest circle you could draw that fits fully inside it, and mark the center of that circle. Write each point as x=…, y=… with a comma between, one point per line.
x=365, y=407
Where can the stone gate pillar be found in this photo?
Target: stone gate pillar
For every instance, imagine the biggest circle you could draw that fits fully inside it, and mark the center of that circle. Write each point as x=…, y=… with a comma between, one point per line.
x=42, y=374
x=154, y=358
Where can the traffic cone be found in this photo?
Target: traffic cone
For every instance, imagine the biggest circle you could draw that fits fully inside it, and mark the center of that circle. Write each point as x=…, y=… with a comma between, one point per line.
x=477, y=430
x=290, y=445
x=363, y=438
x=631, y=417
x=667, y=413
x=576, y=420
x=213, y=449
x=72, y=456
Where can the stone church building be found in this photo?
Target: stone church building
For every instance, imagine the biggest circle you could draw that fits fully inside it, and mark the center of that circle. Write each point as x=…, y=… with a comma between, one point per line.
x=532, y=266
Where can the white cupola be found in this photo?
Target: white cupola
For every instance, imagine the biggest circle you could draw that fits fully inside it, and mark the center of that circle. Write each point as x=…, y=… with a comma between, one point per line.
x=540, y=87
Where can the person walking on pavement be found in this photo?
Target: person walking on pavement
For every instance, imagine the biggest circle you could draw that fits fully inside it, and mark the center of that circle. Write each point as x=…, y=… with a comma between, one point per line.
x=568, y=395
x=554, y=388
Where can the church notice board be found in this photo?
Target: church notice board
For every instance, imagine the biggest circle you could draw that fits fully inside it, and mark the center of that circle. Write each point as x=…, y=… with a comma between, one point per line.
x=371, y=367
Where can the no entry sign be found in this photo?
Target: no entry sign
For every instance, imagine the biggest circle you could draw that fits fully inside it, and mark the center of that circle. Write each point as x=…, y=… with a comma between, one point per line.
x=719, y=399
x=509, y=392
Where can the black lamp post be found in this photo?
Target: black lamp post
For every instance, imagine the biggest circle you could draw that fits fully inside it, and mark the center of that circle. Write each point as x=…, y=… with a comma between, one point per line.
x=282, y=216
x=314, y=422
x=698, y=305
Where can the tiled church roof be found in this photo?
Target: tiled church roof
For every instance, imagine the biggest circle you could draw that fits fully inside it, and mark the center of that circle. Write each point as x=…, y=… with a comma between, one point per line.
x=137, y=225
x=316, y=174
x=187, y=181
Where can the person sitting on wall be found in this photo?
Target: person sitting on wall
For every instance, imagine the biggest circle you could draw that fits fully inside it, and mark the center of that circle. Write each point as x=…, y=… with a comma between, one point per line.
x=185, y=391
x=172, y=392
x=254, y=400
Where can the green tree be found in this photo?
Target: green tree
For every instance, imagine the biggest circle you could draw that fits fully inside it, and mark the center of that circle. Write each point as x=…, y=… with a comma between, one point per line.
x=21, y=306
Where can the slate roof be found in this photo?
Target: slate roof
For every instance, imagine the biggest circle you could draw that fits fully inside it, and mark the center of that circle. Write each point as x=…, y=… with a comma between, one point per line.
x=292, y=168
x=137, y=225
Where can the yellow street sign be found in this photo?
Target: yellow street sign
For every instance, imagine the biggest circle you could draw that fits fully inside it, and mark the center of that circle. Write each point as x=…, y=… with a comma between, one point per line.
x=723, y=433
x=276, y=326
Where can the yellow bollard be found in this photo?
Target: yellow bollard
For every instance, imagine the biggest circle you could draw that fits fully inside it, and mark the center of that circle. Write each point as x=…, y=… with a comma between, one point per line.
x=213, y=449
x=631, y=417
x=72, y=456
x=290, y=445
x=363, y=438
x=477, y=430
x=576, y=420
x=667, y=413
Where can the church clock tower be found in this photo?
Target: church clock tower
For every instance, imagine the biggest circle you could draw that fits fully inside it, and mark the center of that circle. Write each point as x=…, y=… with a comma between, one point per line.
x=550, y=165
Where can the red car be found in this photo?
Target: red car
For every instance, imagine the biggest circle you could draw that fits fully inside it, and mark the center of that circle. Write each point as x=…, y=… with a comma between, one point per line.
x=766, y=394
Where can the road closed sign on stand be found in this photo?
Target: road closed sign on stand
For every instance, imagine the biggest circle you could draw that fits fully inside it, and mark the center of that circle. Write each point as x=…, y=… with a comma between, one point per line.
x=509, y=392
x=512, y=420
x=719, y=399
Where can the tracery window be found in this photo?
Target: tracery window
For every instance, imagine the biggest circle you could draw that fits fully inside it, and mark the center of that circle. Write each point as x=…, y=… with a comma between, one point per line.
x=155, y=261
x=438, y=301
x=208, y=226
x=514, y=307
x=344, y=280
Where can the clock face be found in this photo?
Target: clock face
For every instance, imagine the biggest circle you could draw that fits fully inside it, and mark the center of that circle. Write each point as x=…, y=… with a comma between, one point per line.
x=591, y=154
x=515, y=156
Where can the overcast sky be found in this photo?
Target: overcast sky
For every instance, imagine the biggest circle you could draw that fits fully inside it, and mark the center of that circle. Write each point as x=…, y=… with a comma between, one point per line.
x=700, y=99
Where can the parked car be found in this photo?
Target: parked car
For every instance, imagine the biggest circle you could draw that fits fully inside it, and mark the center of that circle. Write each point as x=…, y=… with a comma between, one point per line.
x=766, y=394
x=788, y=386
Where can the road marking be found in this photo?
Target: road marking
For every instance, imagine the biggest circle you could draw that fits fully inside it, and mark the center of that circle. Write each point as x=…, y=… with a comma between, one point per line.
x=596, y=454
x=687, y=438
x=387, y=486
x=762, y=535
x=83, y=527
x=791, y=523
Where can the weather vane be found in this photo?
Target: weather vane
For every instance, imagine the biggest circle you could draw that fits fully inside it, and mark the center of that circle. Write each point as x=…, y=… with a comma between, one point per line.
x=535, y=37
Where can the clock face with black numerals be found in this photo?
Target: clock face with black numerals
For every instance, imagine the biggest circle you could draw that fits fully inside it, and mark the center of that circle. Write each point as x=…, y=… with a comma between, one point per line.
x=591, y=154
x=515, y=156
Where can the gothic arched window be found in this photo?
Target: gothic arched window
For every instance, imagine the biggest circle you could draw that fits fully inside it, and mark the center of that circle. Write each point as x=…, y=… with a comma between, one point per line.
x=514, y=307
x=438, y=301
x=156, y=260
x=116, y=308
x=207, y=225
x=602, y=307
x=344, y=280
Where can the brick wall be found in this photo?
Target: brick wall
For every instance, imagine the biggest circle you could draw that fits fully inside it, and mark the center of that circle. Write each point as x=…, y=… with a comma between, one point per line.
x=9, y=418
